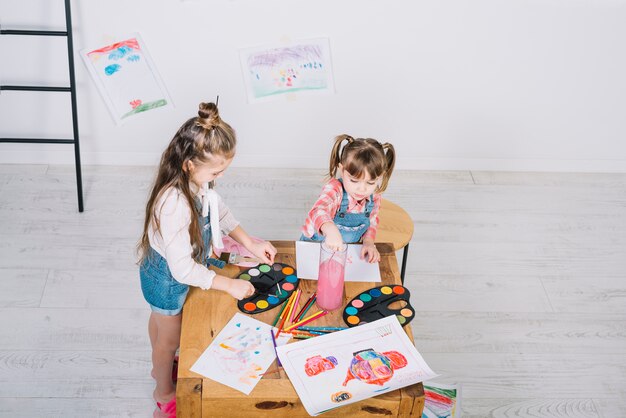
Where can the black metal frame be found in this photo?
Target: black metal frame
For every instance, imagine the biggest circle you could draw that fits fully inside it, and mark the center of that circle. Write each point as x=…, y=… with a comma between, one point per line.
x=405, y=254
x=71, y=89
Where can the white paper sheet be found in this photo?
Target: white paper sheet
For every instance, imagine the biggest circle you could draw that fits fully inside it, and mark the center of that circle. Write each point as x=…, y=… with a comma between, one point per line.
x=347, y=366
x=240, y=354
x=357, y=270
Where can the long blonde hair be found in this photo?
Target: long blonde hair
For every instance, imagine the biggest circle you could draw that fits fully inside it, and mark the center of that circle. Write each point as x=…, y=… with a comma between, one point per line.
x=363, y=155
x=197, y=140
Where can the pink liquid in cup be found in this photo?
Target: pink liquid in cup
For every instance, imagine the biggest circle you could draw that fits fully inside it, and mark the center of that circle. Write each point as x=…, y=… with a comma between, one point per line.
x=330, y=282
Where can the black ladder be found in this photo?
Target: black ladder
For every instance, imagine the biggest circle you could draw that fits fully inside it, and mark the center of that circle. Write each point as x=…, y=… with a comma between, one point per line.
x=71, y=89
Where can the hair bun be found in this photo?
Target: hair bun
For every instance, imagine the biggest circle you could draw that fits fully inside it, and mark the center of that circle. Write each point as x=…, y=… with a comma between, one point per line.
x=208, y=115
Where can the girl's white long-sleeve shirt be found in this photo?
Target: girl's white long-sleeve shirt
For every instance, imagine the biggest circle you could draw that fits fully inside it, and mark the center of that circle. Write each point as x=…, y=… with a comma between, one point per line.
x=173, y=241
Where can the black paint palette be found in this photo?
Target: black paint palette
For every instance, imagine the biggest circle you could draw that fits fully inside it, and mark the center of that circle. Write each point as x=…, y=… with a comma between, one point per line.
x=374, y=304
x=267, y=280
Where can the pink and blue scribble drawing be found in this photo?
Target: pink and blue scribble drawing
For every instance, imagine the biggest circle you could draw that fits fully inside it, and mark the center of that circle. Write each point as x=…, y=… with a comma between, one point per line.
x=126, y=78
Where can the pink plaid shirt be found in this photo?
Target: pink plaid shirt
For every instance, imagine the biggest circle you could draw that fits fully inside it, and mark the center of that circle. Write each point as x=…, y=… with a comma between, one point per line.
x=329, y=202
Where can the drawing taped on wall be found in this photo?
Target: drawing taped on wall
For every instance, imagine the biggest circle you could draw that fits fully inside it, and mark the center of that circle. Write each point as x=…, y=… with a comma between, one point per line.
x=303, y=66
x=126, y=78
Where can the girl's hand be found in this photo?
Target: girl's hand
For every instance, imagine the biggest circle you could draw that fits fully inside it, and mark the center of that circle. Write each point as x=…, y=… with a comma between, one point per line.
x=370, y=253
x=332, y=236
x=263, y=250
x=240, y=289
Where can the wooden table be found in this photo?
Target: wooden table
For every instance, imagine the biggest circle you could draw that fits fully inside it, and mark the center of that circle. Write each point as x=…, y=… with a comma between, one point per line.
x=206, y=312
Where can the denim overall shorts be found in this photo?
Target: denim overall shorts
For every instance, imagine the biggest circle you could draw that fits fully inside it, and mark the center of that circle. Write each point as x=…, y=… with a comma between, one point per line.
x=163, y=293
x=351, y=225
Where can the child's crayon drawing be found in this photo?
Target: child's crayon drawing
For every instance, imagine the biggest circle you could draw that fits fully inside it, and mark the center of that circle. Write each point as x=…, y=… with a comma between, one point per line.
x=442, y=400
x=347, y=366
x=302, y=66
x=126, y=78
x=239, y=354
x=318, y=364
x=374, y=368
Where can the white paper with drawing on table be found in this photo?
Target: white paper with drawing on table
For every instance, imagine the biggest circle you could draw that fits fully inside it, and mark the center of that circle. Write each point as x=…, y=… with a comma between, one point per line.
x=240, y=354
x=338, y=369
x=357, y=269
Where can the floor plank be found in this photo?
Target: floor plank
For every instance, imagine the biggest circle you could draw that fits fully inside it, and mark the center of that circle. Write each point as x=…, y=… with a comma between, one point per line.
x=519, y=280
x=21, y=287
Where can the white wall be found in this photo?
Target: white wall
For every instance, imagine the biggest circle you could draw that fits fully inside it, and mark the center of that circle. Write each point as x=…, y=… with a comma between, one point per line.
x=454, y=84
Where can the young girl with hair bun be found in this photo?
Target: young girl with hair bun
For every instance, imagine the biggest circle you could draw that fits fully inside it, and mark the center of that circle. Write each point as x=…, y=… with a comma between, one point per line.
x=184, y=218
x=347, y=209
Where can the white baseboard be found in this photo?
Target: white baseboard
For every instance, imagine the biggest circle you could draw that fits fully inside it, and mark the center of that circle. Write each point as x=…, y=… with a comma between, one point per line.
x=66, y=156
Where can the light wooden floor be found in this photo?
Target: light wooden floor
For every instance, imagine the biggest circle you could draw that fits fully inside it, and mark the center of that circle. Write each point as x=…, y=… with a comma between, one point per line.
x=519, y=280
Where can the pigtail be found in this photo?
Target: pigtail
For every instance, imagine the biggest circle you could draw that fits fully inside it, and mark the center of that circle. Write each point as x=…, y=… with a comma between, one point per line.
x=335, y=155
x=390, y=159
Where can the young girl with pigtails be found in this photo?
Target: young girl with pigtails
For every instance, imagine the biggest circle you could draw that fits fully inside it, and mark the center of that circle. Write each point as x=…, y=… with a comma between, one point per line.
x=184, y=217
x=347, y=209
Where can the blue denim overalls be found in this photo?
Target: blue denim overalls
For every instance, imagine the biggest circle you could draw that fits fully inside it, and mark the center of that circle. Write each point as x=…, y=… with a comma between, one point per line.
x=164, y=294
x=351, y=225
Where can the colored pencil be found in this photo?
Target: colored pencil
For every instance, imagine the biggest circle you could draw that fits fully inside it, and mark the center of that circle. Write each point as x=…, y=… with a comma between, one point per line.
x=300, y=334
x=285, y=315
x=292, y=315
x=327, y=329
x=275, y=350
x=289, y=302
x=306, y=306
x=294, y=297
x=306, y=320
x=270, y=372
x=279, y=313
x=310, y=332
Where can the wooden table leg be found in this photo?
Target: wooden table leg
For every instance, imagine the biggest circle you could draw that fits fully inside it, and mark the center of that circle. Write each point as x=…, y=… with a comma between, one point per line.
x=189, y=398
x=412, y=402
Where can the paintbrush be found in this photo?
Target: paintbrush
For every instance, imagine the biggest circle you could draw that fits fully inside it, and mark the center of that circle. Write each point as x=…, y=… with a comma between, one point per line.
x=234, y=258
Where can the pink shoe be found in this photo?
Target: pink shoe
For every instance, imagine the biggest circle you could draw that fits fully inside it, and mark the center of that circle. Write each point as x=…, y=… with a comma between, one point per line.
x=167, y=410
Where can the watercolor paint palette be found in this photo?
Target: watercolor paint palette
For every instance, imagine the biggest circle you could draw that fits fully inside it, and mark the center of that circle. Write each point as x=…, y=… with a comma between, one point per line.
x=374, y=304
x=273, y=285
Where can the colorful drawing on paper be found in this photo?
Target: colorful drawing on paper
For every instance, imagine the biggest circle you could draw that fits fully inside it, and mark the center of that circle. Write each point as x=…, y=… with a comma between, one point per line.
x=318, y=364
x=327, y=372
x=239, y=354
x=441, y=401
x=126, y=78
x=299, y=67
x=374, y=368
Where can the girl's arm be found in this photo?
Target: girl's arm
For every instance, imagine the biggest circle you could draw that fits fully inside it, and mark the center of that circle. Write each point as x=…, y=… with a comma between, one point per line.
x=369, y=251
x=174, y=243
x=264, y=249
x=324, y=209
x=229, y=225
x=332, y=236
x=239, y=289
